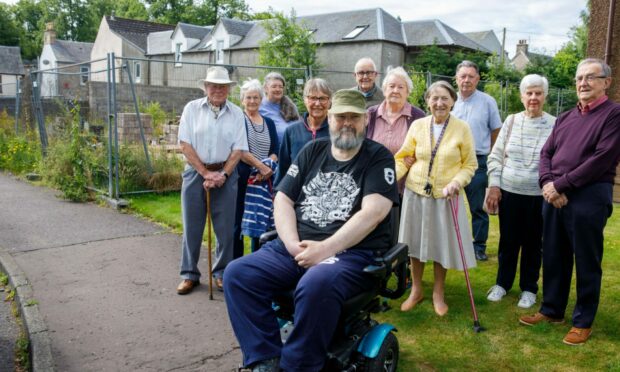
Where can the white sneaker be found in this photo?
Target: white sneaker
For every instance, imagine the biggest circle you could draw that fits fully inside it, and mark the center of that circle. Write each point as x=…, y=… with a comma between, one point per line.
x=496, y=293
x=527, y=300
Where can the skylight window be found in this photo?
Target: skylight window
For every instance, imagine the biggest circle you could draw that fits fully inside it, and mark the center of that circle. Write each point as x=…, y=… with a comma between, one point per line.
x=356, y=31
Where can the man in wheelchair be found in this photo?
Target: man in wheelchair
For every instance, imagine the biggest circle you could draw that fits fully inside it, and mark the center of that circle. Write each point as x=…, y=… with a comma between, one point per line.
x=332, y=217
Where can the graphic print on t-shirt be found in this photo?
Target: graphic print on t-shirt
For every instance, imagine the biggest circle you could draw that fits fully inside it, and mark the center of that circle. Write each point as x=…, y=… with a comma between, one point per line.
x=329, y=198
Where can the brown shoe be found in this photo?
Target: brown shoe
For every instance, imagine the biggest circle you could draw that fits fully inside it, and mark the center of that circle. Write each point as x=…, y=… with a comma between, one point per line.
x=187, y=286
x=577, y=336
x=219, y=283
x=530, y=320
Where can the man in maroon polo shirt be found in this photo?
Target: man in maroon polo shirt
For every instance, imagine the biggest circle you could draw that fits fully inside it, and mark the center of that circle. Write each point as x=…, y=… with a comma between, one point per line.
x=577, y=169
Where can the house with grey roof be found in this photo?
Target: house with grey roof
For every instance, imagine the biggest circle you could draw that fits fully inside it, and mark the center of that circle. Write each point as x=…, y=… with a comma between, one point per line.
x=487, y=39
x=126, y=38
x=11, y=70
x=343, y=38
x=61, y=56
x=523, y=56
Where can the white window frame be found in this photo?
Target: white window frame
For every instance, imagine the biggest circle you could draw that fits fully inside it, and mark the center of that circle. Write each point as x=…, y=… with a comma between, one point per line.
x=178, y=56
x=84, y=74
x=137, y=72
x=355, y=33
x=219, y=51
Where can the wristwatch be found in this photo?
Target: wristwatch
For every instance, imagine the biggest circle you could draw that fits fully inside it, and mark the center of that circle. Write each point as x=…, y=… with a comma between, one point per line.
x=225, y=174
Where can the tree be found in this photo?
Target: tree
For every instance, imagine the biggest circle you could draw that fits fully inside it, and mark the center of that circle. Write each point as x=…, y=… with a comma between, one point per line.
x=201, y=12
x=132, y=9
x=29, y=16
x=71, y=18
x=9, y=32
x=499, y=71
x=440, y=61
x=170, y=11
x=435, y=60
x=288, y=44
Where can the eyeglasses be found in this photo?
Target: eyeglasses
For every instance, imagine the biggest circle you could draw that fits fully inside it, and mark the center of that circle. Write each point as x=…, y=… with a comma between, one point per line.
x=588, y=78
x=323, y=100
x=365, y=73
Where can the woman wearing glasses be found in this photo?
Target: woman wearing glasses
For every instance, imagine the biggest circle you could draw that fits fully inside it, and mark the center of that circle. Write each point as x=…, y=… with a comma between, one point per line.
x=389, y=121
x=313, y=124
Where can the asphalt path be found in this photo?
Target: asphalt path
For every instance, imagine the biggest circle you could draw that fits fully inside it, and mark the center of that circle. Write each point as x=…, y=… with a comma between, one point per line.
x=105, y=285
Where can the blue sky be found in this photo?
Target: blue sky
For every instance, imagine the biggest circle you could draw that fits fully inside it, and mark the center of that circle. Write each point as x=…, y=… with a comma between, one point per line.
x=545, y=24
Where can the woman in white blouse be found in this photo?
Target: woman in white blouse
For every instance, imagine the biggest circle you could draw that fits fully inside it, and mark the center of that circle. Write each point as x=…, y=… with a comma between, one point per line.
x=514, y=190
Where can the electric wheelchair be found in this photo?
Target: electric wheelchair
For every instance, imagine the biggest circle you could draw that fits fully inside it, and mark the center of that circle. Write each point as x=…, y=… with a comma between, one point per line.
x=360, y=343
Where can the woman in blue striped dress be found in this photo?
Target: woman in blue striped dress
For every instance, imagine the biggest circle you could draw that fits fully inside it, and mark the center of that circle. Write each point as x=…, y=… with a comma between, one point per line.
x=262, y=143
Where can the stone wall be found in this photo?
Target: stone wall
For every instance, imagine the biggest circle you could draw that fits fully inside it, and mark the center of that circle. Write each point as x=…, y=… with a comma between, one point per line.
x=129, y=128
x=171, y=99
x=597, y=37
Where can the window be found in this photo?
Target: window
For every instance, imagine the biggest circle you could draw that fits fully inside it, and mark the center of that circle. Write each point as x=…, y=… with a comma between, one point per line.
x=137, y=72
x=219, y=51
x=356, y=31
x=177, y=55
x=84, y=72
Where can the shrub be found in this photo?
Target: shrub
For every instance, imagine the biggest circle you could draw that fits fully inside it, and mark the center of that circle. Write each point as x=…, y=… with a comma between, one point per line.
x=133, y=169
x=18, y=154
x=67, y=165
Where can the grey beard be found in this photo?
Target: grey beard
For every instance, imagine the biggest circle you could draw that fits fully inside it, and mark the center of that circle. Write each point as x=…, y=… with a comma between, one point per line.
x=347, y=143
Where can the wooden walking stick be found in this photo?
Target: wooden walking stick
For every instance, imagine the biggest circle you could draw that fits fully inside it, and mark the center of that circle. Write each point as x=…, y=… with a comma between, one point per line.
x=209, y=244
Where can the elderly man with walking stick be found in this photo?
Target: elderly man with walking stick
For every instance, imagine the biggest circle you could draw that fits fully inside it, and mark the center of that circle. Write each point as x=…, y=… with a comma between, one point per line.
x=577, y=168
x=212, y=138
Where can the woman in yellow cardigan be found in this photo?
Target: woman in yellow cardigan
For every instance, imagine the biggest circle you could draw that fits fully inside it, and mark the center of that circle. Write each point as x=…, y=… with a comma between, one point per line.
x=443, y=147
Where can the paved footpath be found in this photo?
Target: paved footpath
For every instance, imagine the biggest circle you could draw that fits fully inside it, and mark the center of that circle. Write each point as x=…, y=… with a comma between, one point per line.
x=105, y=286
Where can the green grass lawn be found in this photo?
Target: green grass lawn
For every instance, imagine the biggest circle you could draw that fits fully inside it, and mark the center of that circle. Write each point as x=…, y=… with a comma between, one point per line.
x=430, y=343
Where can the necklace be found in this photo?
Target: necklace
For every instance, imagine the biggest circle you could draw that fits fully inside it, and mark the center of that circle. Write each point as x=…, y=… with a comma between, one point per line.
x=428, y=188
x=254, y=125
x=532, y=157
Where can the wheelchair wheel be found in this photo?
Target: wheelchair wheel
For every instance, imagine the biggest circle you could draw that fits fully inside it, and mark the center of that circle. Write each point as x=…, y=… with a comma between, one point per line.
x=386, y=360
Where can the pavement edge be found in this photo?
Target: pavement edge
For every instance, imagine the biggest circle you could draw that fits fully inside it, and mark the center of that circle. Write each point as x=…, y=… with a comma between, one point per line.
x=40, y=342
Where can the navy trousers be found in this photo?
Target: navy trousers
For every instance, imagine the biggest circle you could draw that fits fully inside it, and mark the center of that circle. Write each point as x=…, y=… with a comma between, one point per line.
x=251, y=282
x=520, y=228
x=574, y=234
x=475, y=198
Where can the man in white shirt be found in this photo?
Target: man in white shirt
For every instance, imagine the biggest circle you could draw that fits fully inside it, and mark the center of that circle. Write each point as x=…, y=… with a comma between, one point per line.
x=212, y=137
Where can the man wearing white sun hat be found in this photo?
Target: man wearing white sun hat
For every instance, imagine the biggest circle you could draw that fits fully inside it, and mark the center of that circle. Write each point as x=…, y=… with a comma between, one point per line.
x=212, y=138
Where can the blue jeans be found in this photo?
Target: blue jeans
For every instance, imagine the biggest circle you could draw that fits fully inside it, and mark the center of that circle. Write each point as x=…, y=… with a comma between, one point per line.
x=475, y=197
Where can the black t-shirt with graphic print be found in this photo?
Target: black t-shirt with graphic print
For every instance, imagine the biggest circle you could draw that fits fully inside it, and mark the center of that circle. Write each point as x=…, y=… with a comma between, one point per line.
x=327, y=192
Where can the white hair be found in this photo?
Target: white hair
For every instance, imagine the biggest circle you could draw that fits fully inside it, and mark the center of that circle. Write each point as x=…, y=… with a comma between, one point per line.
x=364, y=61
x=398, y=72
x=534, y=80
x=251, y=85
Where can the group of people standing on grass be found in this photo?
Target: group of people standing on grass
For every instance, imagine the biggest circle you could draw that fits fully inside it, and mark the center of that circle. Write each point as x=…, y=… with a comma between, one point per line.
x=549, y=180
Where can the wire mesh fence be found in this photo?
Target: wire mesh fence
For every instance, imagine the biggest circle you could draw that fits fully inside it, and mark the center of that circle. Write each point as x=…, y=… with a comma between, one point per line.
x=129, y=110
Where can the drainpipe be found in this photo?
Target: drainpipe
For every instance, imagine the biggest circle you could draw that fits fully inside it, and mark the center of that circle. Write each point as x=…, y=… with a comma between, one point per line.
x=610, y=28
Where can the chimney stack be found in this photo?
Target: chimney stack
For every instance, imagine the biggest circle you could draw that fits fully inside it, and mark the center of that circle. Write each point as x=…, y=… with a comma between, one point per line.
x=522, y=47
x=49, y=36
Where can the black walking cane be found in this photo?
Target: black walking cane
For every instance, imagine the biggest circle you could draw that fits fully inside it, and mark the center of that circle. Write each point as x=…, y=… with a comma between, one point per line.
x=209, y=244
x=454, y=209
